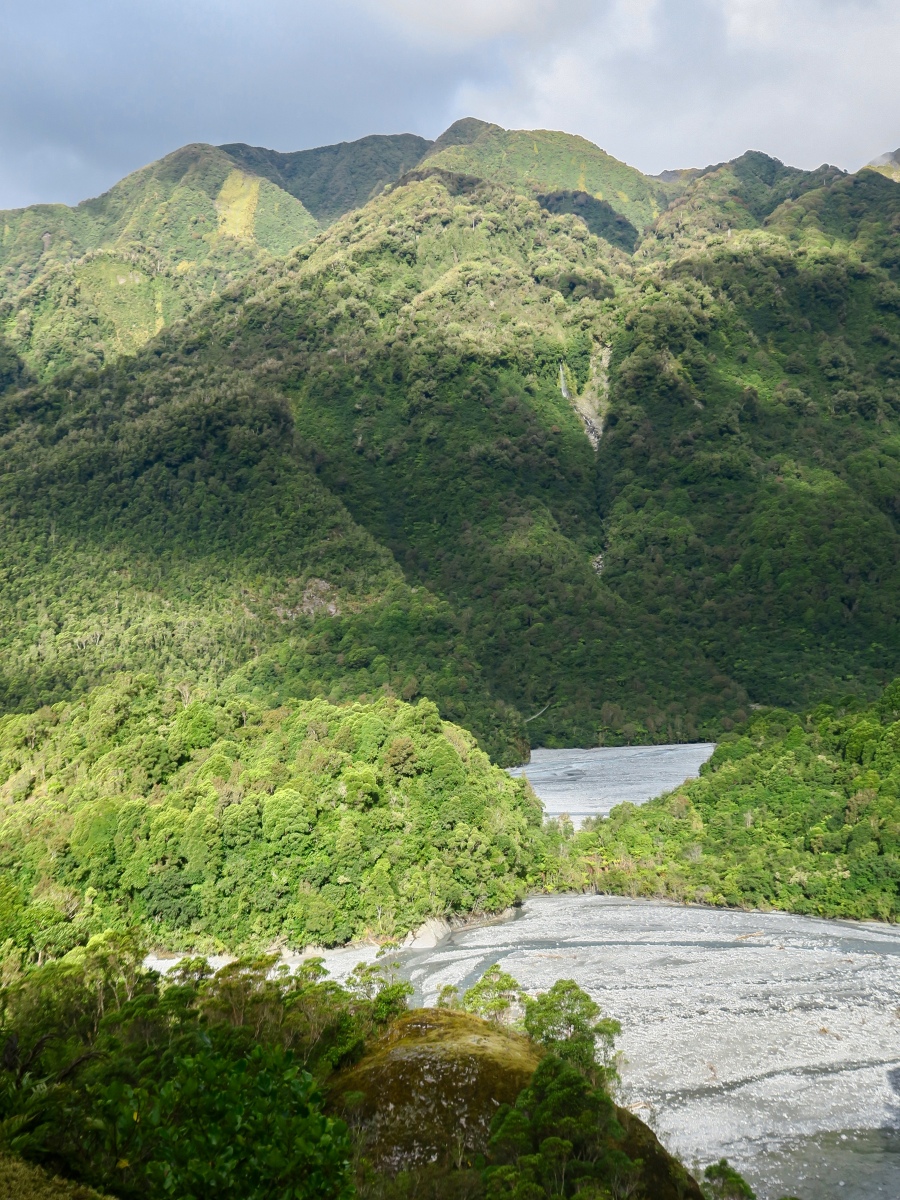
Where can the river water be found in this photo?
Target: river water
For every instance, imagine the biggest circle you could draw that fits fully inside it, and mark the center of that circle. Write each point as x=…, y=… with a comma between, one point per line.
x=588, y=783
x=769, y=1039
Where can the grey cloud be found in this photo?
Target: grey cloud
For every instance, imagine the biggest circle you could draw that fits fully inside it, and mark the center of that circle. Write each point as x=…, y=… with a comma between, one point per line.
x=90, y=89
x=667, y=83
x=464, y=22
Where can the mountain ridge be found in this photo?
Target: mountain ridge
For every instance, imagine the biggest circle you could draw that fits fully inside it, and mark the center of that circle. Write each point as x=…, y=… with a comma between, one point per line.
x=426, y=371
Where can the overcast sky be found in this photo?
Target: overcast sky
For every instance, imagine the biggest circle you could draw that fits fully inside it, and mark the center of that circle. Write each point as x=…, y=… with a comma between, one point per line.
x=92, y=89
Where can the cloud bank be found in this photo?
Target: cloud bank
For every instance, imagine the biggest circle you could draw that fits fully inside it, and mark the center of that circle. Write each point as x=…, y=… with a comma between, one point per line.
x=94, y=89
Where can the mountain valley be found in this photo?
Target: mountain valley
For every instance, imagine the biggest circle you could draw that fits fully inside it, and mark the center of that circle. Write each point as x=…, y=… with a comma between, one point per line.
x=331, y=483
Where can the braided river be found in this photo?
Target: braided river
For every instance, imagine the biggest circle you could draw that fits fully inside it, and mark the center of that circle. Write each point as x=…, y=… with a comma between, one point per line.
x=769, y=1039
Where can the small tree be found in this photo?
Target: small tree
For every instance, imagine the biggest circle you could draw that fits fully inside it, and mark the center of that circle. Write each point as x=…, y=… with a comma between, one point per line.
x=567, y=1021
x=722, y=1182
x=494, y=996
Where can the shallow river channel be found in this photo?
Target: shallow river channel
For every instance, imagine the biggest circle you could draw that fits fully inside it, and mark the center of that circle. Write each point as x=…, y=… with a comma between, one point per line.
x=771, y=1039
x=588, y=783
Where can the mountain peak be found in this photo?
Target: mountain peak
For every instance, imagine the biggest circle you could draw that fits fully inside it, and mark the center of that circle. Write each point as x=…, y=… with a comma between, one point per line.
x=331, y=180
x=463, y=132
x=887, y=164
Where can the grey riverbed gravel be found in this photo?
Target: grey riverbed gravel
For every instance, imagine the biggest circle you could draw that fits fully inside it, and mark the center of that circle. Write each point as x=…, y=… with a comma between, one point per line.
x=770, y=1039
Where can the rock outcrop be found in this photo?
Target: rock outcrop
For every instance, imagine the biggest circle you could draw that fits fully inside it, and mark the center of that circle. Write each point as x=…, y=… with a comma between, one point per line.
x=425, y=1096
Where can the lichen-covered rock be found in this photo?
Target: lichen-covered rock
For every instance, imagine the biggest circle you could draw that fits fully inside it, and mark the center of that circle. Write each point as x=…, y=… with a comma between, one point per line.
x=429, y=1089
x=427, y=1092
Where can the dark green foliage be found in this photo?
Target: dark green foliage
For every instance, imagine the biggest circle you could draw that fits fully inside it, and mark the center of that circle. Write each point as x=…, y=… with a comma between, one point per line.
x=365, y=469
x=215, y=822
x=557, y=1140
x=210, y=1124
x=186, y=1086
x=13, y=372
x=599, y=216
x=567, y=1021
x=186, y=533
x=752, y=459
x=332, y=180
x=799, y=813
x=722, y=1182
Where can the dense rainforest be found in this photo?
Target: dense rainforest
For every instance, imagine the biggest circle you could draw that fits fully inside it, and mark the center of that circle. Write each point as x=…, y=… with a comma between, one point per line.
x=330, y=483
x=251, y=1082
x=795, y=812
x=466, y=454
x=216, y=823
x=458, y=446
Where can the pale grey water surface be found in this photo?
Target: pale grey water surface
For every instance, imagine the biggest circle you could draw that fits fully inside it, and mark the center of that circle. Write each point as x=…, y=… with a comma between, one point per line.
x=588, y=783
x=770, y=1039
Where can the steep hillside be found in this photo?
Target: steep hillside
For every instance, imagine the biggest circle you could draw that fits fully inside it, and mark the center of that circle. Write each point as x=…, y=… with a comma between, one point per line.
x=210, y=821
x=184, y=533
x=90, y=283
x=332, y=180
x=417, y=364
x=570, y=495
x=752, y=464
x=721, y=200
x=538, y=161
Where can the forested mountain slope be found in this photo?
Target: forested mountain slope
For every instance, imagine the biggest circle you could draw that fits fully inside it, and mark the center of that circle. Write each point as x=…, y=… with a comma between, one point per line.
x=753, y=455
x=211, y=820
x=794, y=812
x=458, y=446
x=730, y=197
x=887, y=164
x=332, y=180
x=90, y=283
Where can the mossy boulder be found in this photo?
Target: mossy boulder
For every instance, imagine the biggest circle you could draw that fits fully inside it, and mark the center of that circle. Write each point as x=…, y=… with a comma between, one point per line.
x=428, y=1090
x=21, y=1181
x=663, y=1177
x=426, y=1093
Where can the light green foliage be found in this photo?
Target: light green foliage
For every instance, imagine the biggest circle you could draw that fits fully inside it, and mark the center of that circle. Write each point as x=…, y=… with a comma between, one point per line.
x=735, y=196
x=494, y=997
x=91, y=283
x=564, y=1019
x=532, y=161
x=22, y=1181
x=213, y=821
x=799, y=813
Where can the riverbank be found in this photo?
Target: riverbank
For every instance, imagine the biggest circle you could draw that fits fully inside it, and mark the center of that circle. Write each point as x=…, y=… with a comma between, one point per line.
x=768, y=1038
x=745, y=1034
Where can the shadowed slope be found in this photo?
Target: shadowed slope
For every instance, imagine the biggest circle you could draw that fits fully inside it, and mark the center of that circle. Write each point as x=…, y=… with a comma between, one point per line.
x=332, y=180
